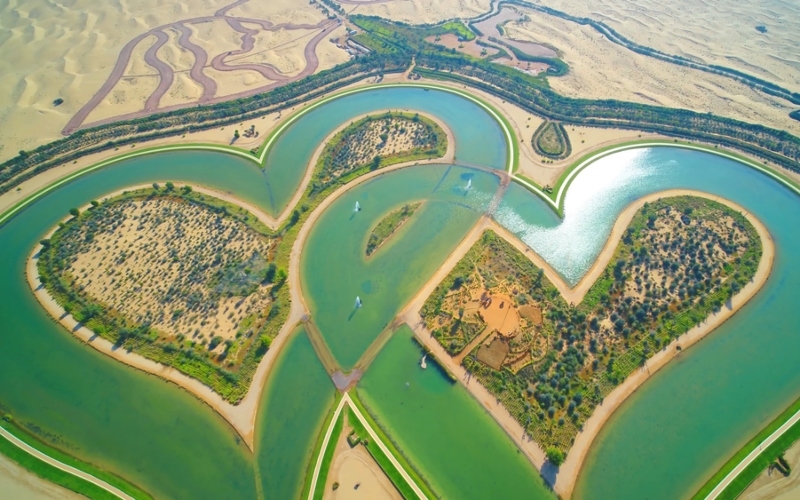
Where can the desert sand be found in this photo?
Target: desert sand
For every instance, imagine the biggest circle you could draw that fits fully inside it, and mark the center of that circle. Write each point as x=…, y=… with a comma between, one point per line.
x=53, y=51
x=772, y=485
x=716, y=32
x=17, y=482
x=600, y=69
x=568, y=472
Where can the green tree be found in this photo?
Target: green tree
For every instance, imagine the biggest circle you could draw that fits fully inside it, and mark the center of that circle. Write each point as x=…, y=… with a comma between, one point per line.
x=170, y=186
x=376, y=162
x=74, y=212
x=555, y=456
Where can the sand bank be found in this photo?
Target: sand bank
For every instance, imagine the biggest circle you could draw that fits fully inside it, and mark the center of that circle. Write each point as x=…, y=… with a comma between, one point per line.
x=568, y=472
x=241, y=416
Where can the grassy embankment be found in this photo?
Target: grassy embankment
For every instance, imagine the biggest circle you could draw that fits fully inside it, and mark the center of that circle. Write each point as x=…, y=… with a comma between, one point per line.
x=57, y=476
x=767, y=457
x=328, y=457
x=381, y=458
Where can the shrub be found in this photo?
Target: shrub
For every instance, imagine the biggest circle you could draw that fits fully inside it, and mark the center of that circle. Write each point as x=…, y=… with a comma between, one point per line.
x=555, y=456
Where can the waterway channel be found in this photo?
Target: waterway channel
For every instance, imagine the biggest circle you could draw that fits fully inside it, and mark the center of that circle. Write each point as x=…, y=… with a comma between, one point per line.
x=663, y=443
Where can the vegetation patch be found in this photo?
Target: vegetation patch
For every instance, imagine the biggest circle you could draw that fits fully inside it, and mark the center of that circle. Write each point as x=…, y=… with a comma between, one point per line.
x=551, y=140
x=179, y=277
x=551, y=363
x=378, y=141
x=388, y=225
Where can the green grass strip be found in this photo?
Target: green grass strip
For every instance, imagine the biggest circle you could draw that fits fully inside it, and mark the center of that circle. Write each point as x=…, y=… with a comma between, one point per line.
x=766, y=457
x=322, y=479
x=58, y=476
x=415, y=475
x=380, y=457
x=318, y=449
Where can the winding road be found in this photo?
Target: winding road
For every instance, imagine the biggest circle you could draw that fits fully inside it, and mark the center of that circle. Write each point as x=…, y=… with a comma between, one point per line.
x=166, y=74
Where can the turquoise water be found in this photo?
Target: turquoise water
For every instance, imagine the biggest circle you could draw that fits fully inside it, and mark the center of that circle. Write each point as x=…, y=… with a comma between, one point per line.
x=131, y=423
x=693, y=415
x=663, y=443
x=334, y=267
x=479, y=140
x=93, y=406
x=289, y=425
x=444, y=431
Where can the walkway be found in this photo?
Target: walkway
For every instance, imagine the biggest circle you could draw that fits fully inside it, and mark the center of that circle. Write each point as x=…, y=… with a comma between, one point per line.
x=62, y=466
x=716, y=492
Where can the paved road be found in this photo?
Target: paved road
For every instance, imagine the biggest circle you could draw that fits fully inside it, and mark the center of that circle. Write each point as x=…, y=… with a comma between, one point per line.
x=753, y=455
x=62, y=466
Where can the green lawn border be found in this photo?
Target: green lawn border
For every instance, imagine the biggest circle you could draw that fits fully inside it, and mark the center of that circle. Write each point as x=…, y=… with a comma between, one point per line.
x=263, y=150
x=309, y=476
x=380, y=457
x=766, y=457
x=58, y=476
x=327, y=458
x=421, y=482
x=556, y=197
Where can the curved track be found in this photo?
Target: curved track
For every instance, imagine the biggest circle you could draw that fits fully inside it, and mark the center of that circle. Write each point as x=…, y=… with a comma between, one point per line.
x=200, y=61
x=165, y=72
x=209, y=96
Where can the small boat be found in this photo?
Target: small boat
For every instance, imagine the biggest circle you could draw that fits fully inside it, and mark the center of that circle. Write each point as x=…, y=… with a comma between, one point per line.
x=422, y=361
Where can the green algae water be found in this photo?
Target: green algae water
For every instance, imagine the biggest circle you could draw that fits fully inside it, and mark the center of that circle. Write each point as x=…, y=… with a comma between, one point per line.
x=684, y=423
x=663, y=443
x=92, y=406
x=479, y=140
x=445, y=432
x=126, y=421
x=334, y=266
x=298, y=396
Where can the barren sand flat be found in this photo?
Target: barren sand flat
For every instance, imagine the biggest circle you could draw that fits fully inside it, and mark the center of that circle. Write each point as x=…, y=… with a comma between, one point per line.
x=716, y=32
x=420, y=11
x=53, y=51
x=600, y=69
x=19, y=483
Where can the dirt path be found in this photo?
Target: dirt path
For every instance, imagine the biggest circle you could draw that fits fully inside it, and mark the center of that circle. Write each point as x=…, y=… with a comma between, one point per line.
x=200, y=61
x=166, y=73
x=568, y=472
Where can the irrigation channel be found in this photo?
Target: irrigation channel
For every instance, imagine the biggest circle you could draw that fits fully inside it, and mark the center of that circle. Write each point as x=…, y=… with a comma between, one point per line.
x=664, y=442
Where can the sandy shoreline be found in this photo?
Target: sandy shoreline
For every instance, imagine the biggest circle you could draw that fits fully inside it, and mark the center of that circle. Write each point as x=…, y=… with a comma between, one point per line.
x=568, y=472
x=242, y=416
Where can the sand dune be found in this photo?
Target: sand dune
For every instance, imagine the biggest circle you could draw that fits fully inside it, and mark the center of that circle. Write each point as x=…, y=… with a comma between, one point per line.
x=54, y=50
x=600, y=69
x=715, y=32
